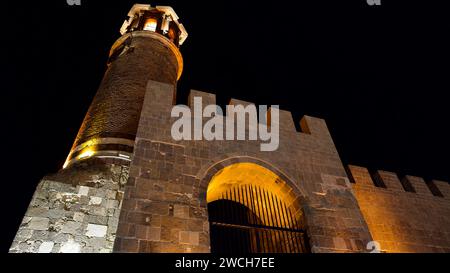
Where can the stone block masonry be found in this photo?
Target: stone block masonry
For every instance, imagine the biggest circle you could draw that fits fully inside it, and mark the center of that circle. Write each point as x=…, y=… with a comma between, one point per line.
x=405, y=215
x=165, y=208
x=158, y=201
x=74, y=211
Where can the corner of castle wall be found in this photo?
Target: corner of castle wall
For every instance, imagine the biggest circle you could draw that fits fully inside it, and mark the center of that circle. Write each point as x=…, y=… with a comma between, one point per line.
x=160, y=94
x=286, y=122
x=156, y=111
x=313, y=125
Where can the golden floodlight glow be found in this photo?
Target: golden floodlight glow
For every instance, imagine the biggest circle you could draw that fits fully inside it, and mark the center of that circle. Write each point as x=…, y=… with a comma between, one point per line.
x=85, y=147
x=247, y=174
x=150, y=24
x=66, y=163
x=243, y=174
x=88, y=152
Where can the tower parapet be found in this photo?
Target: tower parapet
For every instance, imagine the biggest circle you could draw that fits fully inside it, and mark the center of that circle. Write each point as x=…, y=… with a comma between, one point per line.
x=160, y=19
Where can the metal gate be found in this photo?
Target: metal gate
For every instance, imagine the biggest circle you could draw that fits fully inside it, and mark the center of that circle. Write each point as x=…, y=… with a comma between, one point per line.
x=249, y=219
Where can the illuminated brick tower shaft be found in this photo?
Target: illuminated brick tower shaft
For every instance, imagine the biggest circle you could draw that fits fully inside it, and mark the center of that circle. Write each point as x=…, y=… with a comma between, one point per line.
x=148, y=50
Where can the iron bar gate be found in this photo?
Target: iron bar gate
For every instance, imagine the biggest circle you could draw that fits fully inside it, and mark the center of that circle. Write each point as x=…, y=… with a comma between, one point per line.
x=249, y=219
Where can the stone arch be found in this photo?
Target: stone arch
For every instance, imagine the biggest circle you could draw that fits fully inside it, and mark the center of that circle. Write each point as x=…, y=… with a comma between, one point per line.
x=222, y=175
x=208, y=171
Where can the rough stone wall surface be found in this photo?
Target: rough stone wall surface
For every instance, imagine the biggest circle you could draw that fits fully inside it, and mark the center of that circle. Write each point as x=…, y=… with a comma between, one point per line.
x=75, y=211
x=400, y=220
x=165, y=208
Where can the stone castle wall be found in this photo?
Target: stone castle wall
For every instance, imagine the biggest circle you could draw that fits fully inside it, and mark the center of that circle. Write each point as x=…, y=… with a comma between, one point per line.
x=157, y=202
x=74, y=211
x=404, y=215
x=165, y=210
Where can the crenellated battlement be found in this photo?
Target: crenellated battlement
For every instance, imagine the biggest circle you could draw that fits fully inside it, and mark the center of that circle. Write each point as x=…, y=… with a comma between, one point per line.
x=392, y=182
x=308, y=125
x=403, y=213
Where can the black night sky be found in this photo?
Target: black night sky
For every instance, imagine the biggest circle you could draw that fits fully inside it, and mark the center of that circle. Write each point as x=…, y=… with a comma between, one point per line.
x=377, y=74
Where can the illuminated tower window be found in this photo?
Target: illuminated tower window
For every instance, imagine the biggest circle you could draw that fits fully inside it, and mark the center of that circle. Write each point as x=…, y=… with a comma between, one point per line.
x=150, y=24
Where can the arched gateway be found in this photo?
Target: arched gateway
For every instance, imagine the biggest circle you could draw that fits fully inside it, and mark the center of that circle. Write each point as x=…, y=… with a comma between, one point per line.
x=253, y=210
